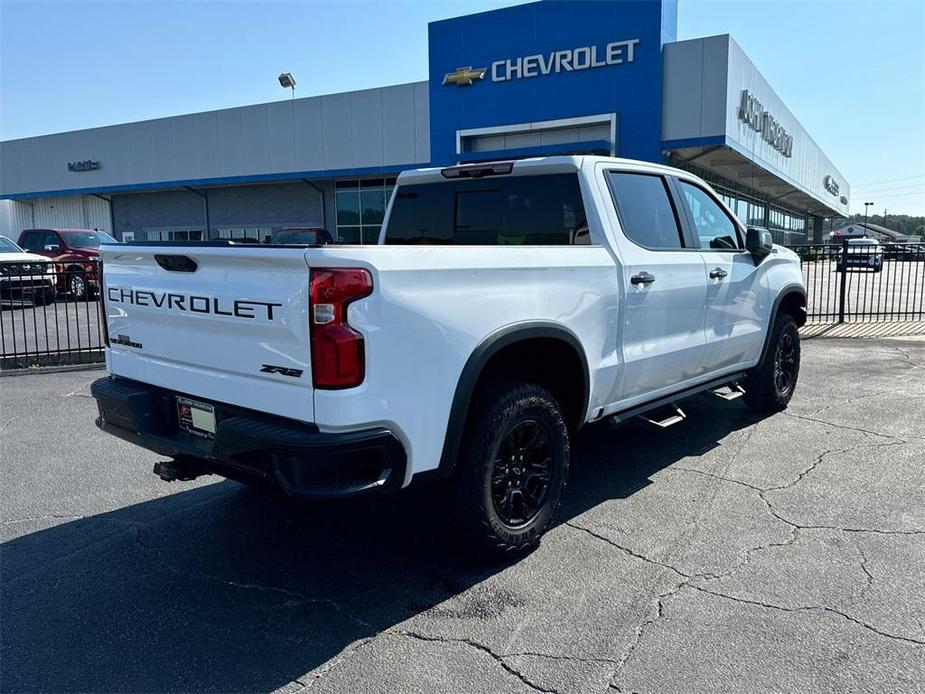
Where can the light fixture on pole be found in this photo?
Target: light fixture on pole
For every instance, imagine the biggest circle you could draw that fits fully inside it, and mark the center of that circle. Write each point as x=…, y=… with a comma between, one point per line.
x=287, y=81
x=866, y=205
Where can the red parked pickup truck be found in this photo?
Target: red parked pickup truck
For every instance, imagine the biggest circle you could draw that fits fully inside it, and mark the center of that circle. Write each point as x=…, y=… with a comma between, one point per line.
x=75, y=253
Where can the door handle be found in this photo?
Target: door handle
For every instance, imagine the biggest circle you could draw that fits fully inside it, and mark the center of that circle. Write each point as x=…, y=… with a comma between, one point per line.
x=642, y=278
x=717, y=273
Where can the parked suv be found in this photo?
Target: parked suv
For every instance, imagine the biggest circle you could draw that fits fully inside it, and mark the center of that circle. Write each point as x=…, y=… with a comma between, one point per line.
x=862, y=254
x=75, y=253
x=507, y=305
x=25, y=275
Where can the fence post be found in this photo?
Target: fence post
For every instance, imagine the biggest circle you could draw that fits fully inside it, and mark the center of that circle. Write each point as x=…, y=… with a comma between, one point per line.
x=843, y=280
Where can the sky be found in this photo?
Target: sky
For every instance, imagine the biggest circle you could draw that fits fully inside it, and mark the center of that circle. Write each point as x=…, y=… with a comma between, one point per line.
x=852, y=72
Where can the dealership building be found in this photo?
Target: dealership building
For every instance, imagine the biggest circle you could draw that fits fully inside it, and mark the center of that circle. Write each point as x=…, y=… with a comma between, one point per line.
x=536, y=79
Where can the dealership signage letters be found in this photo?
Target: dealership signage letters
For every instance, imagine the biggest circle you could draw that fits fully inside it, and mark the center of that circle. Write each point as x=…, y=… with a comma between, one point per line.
x=752, y=113
x=541, y=64
x=85, y=165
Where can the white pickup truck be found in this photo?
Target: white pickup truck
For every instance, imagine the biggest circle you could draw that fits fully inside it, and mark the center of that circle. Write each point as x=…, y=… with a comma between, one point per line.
x=506, y=305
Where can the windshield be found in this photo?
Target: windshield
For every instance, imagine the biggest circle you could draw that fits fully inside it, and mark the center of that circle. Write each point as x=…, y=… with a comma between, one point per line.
x=88, y=239
x=7, y=246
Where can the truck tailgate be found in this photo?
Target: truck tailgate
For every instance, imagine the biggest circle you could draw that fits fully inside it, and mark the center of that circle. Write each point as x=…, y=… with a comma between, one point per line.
x=232, y=326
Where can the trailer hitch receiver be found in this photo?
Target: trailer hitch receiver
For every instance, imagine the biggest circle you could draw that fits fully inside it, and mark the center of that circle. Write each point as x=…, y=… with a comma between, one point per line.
x=180, y=469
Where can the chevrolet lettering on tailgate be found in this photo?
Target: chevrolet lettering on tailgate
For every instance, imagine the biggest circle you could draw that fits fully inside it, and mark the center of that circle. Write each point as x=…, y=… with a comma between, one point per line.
x=239, y=308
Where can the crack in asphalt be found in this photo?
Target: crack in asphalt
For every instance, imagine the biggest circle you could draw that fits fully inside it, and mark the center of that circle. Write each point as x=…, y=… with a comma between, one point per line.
x=850, y=428
x=795, y=528
x=251, y=586
x=482, y=648
x=500, y=658
x=641, y=631
x=870, y=576
x=626, y=550
x=762, y=491
x=808, y=608
x=659, y=604
x=568, y=658
x=329, y=665
x=49, y=516
x=849, y=401
x=907, y=357
x=876, y=531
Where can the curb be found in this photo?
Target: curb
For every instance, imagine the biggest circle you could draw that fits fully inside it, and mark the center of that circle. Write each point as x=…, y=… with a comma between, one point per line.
x=51, y=369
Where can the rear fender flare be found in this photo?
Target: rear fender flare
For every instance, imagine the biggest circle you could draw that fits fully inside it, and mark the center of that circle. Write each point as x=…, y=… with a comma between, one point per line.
x=475, y=365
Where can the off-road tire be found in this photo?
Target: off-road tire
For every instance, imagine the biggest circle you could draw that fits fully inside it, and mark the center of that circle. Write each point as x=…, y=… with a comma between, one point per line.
x=501, y=410
x=764, y=390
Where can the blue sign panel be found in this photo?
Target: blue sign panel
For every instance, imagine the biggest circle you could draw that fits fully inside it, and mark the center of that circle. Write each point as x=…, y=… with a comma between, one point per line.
x=551, y=61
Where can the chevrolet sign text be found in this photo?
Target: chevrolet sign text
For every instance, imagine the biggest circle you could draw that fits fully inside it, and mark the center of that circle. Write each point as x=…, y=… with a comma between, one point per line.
x=582, y=58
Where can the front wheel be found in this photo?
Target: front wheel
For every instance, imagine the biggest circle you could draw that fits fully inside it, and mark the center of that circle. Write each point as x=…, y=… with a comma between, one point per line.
x=512, y=468
x=77, y=286
x=770, y=385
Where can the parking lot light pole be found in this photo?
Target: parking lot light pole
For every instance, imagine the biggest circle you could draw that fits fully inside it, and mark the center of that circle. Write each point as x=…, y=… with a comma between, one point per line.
x=287, y=81
x=866, y=205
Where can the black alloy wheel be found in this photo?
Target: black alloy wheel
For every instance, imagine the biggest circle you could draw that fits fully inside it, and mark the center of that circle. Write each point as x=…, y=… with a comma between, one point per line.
x=785, y=360
x=770, y=385
x=512, y=467
x=521, y=472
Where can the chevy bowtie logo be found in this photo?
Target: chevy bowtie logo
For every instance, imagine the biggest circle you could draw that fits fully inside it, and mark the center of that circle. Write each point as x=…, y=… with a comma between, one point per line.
x=465, y=76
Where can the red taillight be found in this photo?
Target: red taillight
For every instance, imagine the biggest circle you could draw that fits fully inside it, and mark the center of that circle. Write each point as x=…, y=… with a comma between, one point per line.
x=104, y=319
x=338, y=354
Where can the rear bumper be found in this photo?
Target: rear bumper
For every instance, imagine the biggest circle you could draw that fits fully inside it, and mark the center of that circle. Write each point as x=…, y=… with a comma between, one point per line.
x=254, y=446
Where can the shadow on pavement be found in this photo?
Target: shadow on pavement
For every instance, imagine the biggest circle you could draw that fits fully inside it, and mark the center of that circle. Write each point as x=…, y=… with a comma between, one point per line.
x=223, y=588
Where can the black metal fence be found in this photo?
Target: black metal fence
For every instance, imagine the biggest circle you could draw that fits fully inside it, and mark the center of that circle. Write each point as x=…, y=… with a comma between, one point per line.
x=863, y=281
x=49, y=314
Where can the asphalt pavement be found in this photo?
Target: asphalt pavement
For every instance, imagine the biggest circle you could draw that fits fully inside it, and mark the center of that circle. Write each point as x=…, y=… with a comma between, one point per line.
x=729, y=553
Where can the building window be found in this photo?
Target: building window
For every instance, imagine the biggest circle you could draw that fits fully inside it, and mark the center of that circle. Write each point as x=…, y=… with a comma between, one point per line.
x=361, y=208
x=259, y=234
x=173, y=235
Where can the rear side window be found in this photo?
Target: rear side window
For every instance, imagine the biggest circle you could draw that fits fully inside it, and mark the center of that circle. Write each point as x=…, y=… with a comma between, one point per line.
x=544, y=210
x=645, y=209
x=31, y=240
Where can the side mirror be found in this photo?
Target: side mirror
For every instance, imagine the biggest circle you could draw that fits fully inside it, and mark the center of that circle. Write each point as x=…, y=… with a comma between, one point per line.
x=759, y=243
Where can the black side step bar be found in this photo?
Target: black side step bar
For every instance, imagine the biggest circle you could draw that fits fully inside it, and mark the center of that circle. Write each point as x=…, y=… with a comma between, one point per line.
x=730, y=381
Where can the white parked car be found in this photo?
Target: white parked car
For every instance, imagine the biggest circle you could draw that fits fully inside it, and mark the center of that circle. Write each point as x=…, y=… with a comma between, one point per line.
x=507, y=305
x=25, y=275
x=862, y=254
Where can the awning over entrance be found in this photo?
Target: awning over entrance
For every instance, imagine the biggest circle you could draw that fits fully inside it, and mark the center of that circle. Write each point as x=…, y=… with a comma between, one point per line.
x=724, y=161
